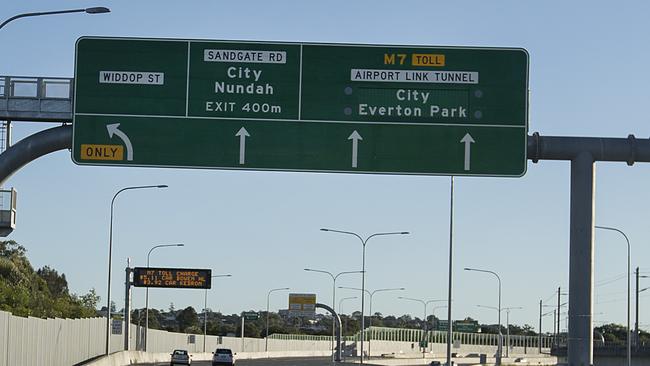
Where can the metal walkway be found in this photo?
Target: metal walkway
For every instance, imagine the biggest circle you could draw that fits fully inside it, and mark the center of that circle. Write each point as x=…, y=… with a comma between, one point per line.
x=36, y=99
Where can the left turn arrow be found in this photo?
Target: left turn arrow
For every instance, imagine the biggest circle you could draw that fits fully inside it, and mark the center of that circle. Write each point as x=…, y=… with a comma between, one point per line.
x=114, y=130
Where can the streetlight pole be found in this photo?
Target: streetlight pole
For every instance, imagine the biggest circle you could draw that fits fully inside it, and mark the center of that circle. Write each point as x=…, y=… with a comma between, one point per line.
x=371, y=294
x=205, y=310
x=363, y=270
x=500, y=343
x=110, y=259
x=507, y=323
x=341, y=312
x=268, y=296
x=629, y=338
x=146, y=301
x=424, y=325
x=433, y=311
x=95, y=10
x=334, y=278
x=343, y=300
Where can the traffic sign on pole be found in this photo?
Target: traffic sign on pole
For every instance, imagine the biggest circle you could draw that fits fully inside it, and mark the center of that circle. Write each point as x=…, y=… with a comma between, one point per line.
x=302, y=305
x=301, y=107
x=250, y=315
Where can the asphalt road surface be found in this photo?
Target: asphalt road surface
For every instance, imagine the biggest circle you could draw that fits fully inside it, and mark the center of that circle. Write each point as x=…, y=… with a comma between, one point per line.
x=272, y=362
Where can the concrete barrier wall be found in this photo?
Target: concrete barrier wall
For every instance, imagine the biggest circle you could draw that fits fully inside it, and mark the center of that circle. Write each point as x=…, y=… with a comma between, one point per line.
x=162, y=341
x=64, y=342
x=35, y=341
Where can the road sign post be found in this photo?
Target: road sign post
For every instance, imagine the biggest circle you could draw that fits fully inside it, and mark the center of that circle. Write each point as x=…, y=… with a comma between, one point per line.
x=301, y=107
x=249, y=315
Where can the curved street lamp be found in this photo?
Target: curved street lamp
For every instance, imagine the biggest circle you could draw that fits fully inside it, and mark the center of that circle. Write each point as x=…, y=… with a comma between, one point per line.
x=629, y=338
x=363, y=268
x=95, y=10
x=507, y=322
x=334, y=278
x=146, y=297
x=424, y=320
x=110, y=260
x=352, y=298
x=205, y=309
x=371, y=294
x=268, y=296
x=500, y=345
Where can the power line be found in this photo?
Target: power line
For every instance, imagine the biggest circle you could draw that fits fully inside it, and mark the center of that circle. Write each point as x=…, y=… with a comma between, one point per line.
x=611, y=280
x=611, y=293
x=550, y=297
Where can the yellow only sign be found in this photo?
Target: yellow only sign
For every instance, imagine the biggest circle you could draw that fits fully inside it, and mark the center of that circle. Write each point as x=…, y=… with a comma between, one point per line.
x=102, y=152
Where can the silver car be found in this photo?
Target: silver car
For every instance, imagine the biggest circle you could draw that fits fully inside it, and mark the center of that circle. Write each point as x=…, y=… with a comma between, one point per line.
x=223, y=356
x=180, y=357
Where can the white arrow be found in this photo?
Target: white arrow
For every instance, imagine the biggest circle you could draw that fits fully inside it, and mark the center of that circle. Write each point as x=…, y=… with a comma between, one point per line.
x=467, y=140
x=242, y=133
x=355, y=137
x=114, y=130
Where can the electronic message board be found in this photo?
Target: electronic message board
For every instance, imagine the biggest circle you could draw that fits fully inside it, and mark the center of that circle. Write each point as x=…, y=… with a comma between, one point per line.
x=172, y=277
x=301, y=106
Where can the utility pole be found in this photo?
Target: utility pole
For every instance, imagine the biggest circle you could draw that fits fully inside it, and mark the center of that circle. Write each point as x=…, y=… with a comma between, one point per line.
x=539, y=341
x=127, y=304
x=557, y=333
x=636, y=310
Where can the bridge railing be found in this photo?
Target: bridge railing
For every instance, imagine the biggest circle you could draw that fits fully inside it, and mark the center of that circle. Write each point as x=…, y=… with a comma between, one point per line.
x=24, y=98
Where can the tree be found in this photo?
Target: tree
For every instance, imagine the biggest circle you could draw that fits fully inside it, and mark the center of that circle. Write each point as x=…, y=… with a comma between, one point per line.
x=187, y=318
x=42, y=293
x=56, y=283
x=91, y=299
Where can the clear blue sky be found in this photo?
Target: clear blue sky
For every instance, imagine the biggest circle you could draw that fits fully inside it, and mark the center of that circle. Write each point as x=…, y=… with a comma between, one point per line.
x=588, y=77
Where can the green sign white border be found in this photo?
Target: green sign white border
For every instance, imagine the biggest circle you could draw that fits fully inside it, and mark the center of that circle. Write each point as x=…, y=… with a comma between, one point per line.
x=189, y=41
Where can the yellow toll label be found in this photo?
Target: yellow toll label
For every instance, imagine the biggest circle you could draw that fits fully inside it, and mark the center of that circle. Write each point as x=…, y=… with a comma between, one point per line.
x=102, y=152
x=427, y=59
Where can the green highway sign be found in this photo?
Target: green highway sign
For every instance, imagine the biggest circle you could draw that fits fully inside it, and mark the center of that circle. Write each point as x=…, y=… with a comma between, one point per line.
x=466, y=326
x=459, y=326
x=300, y=107
x=442, y=325
x=250, y=315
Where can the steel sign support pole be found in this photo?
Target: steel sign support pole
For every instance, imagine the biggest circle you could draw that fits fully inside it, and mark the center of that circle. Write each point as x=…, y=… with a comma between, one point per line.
x=581, y=261
x=451, y=248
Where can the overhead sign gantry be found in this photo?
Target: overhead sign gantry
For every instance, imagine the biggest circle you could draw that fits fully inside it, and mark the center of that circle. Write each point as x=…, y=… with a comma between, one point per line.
x=300, y=107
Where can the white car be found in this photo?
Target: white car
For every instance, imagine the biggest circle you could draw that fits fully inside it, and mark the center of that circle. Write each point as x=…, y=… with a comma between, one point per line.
x=223, y=356
x=180, y=357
